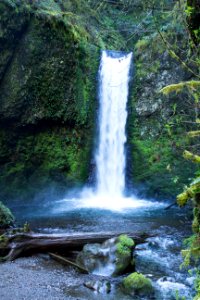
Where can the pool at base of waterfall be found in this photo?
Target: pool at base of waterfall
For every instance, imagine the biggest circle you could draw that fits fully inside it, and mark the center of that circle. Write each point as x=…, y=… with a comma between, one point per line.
x=158, y=258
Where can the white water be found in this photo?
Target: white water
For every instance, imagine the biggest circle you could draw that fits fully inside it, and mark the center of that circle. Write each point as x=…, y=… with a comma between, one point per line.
x=114, y=75
x=113, y=96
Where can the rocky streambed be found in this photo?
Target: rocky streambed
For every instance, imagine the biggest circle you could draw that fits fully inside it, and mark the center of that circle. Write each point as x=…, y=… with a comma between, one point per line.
x=158, y=258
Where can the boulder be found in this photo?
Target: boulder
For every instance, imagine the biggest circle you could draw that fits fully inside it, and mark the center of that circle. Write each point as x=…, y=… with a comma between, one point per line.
x=113, y=257
x=137, y=284
x=100, y=286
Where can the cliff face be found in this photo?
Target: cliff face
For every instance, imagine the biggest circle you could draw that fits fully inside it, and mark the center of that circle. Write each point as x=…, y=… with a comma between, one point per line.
x=158, y=124
x=49, y=57
x=48, y=72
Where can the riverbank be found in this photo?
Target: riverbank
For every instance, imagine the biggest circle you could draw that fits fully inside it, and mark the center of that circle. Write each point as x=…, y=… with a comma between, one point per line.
x=159, y=258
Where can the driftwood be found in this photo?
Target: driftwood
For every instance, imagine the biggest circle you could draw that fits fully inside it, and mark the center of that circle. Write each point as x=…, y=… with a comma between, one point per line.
x=26, y=243
x=171, y=205
x=65, y=261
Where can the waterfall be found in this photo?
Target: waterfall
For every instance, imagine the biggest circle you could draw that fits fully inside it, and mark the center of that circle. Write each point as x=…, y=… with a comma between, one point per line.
x=113, y=95
x=114, y=75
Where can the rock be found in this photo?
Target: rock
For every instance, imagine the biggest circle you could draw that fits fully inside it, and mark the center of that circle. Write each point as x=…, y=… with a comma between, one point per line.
x=137, y=284
x=167, y=288
x=100, y=286
x=113, y=257
x=123, y=253
x=49, y=61
x=6, y=217
x=148, y=107
x=89, y=257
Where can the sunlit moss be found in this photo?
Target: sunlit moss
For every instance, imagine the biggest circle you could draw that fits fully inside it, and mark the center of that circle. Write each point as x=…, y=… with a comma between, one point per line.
x=177, y=88
x=137, y=283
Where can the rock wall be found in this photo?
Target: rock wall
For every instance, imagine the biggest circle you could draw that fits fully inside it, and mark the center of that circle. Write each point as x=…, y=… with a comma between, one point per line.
x=48, y=72
x=158, y=124
x=49, y=58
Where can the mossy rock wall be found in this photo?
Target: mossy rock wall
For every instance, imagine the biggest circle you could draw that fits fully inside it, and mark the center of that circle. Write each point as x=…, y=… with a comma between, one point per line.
x=50, y=53
x=158, y=125
x=49, y=62
x=48, y=73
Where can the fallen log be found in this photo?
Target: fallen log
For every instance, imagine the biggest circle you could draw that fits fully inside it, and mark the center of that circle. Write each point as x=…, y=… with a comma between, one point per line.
x=170, y=206
x=24, y=243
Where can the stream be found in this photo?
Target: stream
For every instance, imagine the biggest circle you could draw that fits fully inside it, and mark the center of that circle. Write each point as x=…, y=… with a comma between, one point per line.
x=159, y=258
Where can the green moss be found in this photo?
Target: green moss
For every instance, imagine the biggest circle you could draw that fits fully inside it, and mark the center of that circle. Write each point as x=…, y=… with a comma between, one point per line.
x=124, y=244
x=137, y=283
x=158, y=163
x=54, y=156
x=6, y=217
x=50, y=101
x=141, y=45
x=124, y=248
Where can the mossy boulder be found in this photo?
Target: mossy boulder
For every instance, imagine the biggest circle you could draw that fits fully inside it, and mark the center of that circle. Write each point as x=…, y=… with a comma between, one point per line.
x=124, y=248
x=115, y=253
x=6, y=217
x=137, y=284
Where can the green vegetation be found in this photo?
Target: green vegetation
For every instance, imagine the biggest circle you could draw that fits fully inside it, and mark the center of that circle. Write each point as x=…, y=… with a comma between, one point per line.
x=48, y=92
x=6, y=217
x=137, y=283
x=124, y=249
x=50, y=52
x=51, y=87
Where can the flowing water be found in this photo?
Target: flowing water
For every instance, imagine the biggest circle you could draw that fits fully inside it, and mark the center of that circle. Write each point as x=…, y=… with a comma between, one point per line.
x=114, y=77
x=105, y=208
x=113, y=95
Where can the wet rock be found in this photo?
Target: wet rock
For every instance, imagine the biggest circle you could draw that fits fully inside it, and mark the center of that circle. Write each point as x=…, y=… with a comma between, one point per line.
x=100, y=286
x=113, y=257
x=148, y=107
x=137, y=284
x=6, y=217
x=167, y=288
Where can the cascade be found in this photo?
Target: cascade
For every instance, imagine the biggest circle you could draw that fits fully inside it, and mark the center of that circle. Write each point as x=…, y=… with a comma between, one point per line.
x=114, y=76
x=113, y=95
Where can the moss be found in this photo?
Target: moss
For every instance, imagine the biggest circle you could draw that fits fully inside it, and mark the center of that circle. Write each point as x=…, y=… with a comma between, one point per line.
x=141, y=45
x=52, y=156
x=48, y=97
x=195, y=225
x=177, y=88
x=53, y=82
x=137, y=283
x=124, y=244
x=182, y=198
x=159, y=164
x=6, y=217
x=124, y=248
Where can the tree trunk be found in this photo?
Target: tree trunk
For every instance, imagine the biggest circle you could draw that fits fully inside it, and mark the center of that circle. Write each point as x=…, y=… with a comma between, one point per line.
x=18, y=244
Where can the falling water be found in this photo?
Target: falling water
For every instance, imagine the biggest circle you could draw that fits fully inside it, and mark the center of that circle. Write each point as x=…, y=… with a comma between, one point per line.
x=113, y=95
x=114, y=76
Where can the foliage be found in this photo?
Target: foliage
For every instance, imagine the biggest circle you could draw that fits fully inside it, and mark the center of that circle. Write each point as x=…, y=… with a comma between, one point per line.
x=197, y=286
x=6, y=217
x=158, y=163
x=191, y=85
x=192, y=252
x=49, y=88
